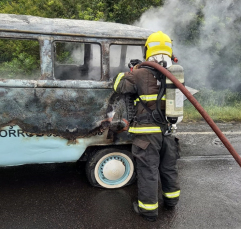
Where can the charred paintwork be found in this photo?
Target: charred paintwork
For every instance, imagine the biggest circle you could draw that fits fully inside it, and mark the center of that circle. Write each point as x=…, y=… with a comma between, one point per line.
x=73, y=110
x=105, y=60
x=70, y=113
x=86, y=84
x=46, y=58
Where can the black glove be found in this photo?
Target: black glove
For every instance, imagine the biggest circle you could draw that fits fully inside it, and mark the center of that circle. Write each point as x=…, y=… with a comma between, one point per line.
x=134, y=62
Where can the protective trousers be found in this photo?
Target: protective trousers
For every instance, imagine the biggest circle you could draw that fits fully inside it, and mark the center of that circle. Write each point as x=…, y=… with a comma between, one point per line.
x=156, y=155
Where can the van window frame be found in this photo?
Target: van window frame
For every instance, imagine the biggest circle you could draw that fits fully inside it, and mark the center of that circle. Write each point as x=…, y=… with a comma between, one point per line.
x=46, y=43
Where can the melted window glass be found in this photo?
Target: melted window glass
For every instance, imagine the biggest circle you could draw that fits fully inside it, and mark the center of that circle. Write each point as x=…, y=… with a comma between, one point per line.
x=77, y=61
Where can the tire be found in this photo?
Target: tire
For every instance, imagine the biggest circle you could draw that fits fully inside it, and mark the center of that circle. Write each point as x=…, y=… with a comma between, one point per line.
x=110, y=168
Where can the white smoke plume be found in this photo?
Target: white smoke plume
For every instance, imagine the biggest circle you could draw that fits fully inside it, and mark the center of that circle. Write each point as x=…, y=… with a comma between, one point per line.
x=217, y=40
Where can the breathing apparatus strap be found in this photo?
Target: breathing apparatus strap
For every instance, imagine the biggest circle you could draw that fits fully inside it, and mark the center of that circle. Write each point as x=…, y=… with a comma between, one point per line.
x=161, y=78
x=173, y=86
x=156, y=115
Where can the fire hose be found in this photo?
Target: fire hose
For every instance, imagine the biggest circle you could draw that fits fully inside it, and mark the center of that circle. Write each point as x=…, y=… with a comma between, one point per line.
x=197, y=105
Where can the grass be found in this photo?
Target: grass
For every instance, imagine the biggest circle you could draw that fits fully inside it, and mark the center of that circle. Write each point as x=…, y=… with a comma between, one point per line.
x=222, y=106
x=221, y=114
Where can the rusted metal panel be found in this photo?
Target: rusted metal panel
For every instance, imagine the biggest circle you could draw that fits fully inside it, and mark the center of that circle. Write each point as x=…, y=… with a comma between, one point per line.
x=87, y=84
x=69, y=113
x=105, y=60
x=32, y=24
x=46, y=58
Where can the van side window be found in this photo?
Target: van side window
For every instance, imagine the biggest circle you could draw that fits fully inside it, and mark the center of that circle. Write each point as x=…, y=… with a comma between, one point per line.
x=120, y=56
x=77, y=61
x=19, y=59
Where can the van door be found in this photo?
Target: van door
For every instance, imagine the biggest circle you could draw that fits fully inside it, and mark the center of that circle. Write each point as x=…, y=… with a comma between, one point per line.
x=46, y=120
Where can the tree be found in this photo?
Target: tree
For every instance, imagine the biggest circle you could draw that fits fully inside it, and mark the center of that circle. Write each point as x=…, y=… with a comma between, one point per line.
x=116, y=11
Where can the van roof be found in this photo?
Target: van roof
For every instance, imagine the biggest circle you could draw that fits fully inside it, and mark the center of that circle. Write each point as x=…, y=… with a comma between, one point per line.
x=56, y=26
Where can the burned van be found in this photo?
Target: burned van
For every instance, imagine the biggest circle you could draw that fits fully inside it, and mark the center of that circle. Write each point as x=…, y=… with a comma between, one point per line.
x=57, y=102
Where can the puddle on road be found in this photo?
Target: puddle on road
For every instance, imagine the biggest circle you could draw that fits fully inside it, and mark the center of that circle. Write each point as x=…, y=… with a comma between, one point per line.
x=217, y=142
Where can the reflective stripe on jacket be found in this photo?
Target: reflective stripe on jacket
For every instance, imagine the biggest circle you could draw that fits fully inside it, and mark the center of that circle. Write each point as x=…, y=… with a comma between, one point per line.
x=118, y=79
x=148, y=98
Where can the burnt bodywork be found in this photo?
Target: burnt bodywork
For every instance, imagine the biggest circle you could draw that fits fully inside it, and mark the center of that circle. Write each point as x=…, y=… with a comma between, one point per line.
x=68, y=112
x=70, y=109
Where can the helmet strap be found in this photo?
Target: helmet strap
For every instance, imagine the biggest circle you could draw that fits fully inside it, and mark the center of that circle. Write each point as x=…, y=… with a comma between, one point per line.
x=163, y=63
x=145, y=50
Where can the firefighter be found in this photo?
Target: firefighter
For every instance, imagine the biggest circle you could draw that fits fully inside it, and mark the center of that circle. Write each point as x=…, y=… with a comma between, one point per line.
x=155, y=152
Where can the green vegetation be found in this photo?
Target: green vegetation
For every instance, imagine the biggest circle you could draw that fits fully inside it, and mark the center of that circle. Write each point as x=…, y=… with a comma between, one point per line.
x=19, y=59
x=222, y=106
x=122, y=11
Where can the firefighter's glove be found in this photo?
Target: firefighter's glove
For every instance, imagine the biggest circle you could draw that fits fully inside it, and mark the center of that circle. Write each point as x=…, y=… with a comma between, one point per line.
x=134, y=63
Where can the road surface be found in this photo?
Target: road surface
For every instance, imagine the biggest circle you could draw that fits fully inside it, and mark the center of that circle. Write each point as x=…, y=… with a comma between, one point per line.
x=59, y=195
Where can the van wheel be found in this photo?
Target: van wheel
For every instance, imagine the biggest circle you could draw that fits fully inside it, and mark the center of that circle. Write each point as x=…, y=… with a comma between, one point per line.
x=110, y=168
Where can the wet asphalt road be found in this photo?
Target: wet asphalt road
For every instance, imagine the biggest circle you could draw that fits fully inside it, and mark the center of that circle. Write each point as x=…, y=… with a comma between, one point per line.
x=59, y=195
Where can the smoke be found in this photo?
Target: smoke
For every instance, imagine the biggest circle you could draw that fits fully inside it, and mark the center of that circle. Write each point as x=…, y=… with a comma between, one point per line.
x=77, y=61
x=206, y=39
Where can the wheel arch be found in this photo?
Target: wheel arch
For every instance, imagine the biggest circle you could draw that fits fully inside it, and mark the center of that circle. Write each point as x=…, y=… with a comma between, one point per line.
x=91, y=150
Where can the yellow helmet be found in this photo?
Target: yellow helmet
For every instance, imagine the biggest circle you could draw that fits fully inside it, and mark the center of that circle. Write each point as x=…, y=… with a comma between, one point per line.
x=158, y=43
